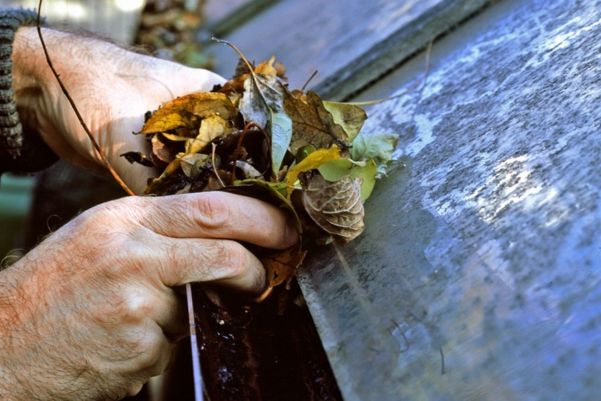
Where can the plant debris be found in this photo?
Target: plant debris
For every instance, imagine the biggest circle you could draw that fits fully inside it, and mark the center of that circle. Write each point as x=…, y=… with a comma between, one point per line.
x=255, y=136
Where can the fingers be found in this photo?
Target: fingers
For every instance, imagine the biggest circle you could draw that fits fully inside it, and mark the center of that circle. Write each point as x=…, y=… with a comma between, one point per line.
x=162, y=305
x=207, y=260
x=152, y=352
x=219, y=215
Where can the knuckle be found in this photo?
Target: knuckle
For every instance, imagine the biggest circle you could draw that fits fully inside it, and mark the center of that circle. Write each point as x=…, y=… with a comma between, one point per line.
x=121, y=258
x=212, y=210
x=136, y=306
x=125, y=307
x=149, y=351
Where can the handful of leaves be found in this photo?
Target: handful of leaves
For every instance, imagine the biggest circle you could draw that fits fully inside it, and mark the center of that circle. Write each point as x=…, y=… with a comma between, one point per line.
x=255, y=136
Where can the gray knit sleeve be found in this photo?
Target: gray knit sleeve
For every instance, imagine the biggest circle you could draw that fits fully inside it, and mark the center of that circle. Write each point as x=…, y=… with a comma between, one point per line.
x=11, y=131
x=20, y=149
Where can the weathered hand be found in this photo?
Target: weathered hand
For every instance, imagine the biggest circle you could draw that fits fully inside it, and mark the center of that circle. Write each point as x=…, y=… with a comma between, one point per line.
x=91, y=314
x=112, y=88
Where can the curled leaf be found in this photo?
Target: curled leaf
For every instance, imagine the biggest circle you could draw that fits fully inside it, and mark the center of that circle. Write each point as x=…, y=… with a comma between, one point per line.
x=283, y=265
x=210, y=128
x=162, y=150
x=336, y=207
x=377, y=147
x=349, y=116
x=138, y=157
x=185, y=110
x=248, y=169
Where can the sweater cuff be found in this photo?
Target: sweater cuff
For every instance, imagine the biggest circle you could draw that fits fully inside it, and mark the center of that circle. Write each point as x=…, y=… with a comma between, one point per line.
x=20, y=150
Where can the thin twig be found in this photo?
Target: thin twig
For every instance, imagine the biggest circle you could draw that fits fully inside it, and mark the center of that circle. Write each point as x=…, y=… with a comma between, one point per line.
x=309, y=80
x=72, y=103
x=250, y=67
x=214, y=166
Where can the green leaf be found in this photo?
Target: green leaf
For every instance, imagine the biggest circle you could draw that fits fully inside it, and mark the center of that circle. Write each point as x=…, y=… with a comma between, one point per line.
x=336, y=169
x=348, y=116
x=367, y=171
x=376, y=147
x=281, y=134
x=367, y=174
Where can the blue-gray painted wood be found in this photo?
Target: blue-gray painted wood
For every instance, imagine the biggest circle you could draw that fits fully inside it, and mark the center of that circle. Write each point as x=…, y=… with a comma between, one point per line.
x=349, y=42
x=479, y=274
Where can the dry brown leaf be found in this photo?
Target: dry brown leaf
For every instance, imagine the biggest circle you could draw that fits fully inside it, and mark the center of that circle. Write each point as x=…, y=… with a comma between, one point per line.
x=336, y=207
x=161, y=150
x=312, y=124
x=280, y=267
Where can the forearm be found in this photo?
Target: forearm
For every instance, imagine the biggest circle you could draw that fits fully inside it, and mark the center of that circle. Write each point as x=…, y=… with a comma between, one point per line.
x=12, y=387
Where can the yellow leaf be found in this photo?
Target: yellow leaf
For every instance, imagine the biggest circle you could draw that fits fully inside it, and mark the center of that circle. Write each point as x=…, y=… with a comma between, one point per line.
x=311, y=162
x=185, y=111
x=210, y=128
x=267, y=68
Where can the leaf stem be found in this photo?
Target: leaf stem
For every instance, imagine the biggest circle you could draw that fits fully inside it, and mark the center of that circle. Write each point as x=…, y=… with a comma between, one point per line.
x=214, y=166
x=251, y=69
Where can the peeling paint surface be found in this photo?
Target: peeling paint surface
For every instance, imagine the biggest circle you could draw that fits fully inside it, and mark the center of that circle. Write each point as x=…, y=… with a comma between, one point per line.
x=479, y=274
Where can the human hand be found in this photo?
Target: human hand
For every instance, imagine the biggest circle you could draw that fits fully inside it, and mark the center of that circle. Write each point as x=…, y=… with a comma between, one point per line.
x=112, y=88
x=91, y=314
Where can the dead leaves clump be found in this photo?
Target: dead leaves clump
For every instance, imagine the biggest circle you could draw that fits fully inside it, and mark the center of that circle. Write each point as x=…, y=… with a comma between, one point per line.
x=255, y=136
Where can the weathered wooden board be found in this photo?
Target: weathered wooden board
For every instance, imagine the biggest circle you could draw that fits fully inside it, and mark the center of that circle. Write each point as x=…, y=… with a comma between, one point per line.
x=215, y=10
x=349, y=42
x=479, y=275
x=225, y=16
